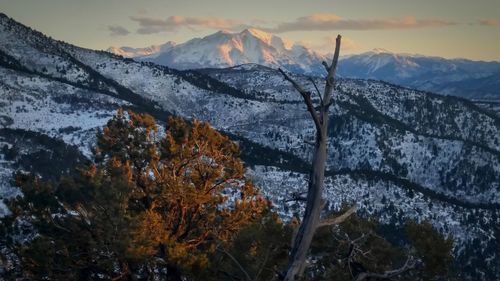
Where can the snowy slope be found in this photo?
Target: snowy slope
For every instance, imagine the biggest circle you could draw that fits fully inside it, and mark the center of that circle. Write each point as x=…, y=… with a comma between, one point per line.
x=459, y=77
x=397, y=152
x=130, y=52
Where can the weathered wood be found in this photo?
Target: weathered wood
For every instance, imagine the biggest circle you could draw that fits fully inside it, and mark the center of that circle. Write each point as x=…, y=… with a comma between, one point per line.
x=317, y=90
x=311, y=219
x=307, y=99
x=338, y=220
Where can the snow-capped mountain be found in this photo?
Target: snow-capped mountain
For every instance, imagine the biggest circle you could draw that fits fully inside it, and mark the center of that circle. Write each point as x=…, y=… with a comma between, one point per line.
x=130, y=52
x=459, y=77
x=397, y=153
x=225, y=49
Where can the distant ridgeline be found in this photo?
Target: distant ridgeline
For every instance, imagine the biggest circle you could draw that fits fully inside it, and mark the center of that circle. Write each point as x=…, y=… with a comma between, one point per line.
x=476, y=80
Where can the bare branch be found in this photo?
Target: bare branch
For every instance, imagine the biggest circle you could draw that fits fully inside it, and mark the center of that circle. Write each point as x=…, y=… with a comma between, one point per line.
x=326, y=66
x=307, y=99
x=330, y=78
x=266, y=257
x=220, y=249
x=318, y=108
x=317, y=90
x=333, y=67
x=410, y=264
x=302, y=238
x=328, y=104
x=362, y=237
x=338, y=220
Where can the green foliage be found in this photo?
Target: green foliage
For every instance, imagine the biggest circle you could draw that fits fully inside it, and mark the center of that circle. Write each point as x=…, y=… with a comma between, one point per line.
x=150, y=207
x=432, y=248
x=82, y=227
x=42, y=155
x=357, y=246
x=180, y=205
x=353, y=247
x=260, y=248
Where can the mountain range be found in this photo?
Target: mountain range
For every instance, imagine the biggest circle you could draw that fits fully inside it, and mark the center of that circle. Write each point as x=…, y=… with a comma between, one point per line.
x=459, y=77
x=396, y=152
x=225, y=49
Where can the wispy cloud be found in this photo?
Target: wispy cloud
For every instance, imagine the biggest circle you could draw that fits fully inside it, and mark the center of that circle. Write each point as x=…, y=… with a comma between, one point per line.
x=117, y=30
x=329, y=21
x=142, y=11
x=314, y=22
x=489, y=22
x=327, y=44
x=148, y=25
x=347, y=43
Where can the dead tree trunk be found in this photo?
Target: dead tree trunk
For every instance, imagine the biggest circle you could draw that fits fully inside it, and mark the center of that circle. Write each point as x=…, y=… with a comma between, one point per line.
x=314, y=203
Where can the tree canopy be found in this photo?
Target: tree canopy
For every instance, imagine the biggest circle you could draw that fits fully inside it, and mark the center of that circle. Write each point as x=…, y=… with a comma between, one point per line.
x=152, y=203
x=172, y=202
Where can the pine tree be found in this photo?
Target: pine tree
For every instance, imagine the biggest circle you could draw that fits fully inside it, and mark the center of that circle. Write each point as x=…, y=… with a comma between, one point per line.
x=177, y=206
x=257, y=252
x=149, y=207
x=358, y=249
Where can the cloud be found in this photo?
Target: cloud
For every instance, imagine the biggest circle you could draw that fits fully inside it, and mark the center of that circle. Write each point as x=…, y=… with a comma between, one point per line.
x=327, y=45
x=314, y=22
x=489, y=22
x=117, y=30
x=149, y=25
x=347, y=43
x=329, y=21
x=142, y=11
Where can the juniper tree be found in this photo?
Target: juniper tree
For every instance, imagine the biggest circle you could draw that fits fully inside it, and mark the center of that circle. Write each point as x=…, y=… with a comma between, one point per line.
x=149, y=207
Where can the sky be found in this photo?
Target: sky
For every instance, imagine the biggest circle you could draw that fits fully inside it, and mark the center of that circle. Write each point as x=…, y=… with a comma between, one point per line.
x=446, y=28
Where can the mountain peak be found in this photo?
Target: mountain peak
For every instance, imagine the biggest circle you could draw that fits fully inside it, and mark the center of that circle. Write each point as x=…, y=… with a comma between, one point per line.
x=262, y=35
x=129, y=52
x=381, y=51
x=268, y=38
x=226, y=49
x=222, y=31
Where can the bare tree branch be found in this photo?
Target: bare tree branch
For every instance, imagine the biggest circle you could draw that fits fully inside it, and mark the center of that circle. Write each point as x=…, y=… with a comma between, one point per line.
x=220, y=249
x=319, y=107
x=328, y=104
x=338, y=220
x=311, y=219
x=307, y=99
x=317, y=90
x=332, y=69
x=410, y=264
x=327, y=68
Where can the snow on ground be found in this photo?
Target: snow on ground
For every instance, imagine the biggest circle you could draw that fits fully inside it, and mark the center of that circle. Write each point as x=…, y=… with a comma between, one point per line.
x=384, y=200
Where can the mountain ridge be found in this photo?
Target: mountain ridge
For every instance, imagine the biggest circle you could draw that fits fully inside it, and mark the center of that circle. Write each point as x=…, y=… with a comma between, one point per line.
x=68, y=93
x=459, y=77
x=226, y=49
x=130, y=52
